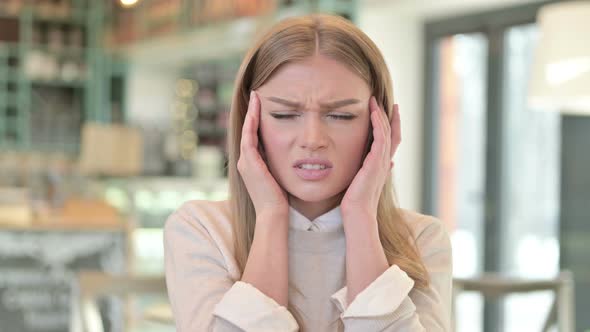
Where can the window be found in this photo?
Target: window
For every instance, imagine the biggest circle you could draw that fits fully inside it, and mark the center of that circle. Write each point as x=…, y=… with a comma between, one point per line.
x=494, y=163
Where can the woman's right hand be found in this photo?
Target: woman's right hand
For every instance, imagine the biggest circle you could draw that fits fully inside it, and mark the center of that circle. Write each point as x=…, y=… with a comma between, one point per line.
x=266, y=194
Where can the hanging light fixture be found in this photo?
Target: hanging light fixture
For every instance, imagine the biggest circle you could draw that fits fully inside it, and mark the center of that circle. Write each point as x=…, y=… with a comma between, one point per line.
x=560, y=77
x=129, y=3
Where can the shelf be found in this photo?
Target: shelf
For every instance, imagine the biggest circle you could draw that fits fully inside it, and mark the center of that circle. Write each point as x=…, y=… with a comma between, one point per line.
x=27, y=88
x=59, y=83
x=76, y=18
x=65, y=52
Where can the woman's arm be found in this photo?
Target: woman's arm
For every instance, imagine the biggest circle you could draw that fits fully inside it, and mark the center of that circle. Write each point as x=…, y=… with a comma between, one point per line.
x=390, y=302
x=365, y=258
x=267, y=268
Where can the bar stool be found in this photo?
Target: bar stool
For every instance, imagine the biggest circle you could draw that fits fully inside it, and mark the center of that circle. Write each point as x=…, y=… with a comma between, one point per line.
x=493, y=285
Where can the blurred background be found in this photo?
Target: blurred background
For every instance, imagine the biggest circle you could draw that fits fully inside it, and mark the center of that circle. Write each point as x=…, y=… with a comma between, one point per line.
x=114, y=112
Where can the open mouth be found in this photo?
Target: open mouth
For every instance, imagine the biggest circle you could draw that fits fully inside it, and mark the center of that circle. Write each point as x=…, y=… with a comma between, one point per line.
x=312, y=173
x=312, y=166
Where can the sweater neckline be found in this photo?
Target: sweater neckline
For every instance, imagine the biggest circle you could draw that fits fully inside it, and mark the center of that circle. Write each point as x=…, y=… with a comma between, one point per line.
x=317, y=242
x=330, y=221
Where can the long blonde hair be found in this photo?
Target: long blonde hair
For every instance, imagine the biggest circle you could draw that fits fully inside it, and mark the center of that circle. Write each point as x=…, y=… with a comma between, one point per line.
x=292, y=40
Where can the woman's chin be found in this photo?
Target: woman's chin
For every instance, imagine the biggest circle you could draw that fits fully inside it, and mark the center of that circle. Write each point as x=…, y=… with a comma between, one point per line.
x=313, y=192
x=312, y=195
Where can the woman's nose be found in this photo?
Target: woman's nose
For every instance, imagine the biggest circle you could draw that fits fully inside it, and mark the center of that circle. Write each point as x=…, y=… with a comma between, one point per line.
x=314, y=134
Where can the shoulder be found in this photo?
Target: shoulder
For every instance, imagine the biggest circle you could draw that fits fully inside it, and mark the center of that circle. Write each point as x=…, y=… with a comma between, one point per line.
x=201, y=221
x=201, y=211
x=430, y=233
x=200, y=227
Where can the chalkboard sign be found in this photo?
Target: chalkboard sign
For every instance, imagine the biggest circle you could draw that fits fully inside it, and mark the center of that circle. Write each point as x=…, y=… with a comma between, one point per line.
x=38, y=268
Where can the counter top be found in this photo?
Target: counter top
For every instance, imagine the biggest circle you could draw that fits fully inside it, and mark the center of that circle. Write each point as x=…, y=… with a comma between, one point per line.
x=75, y=215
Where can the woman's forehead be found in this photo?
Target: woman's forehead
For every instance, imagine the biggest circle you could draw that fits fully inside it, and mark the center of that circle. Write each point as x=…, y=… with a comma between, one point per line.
x=324, y=81
x=314, y=68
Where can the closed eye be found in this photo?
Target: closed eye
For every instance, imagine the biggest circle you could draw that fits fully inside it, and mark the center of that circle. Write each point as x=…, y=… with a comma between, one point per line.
x=342, y=117
x=333, y=116
x=283, y=116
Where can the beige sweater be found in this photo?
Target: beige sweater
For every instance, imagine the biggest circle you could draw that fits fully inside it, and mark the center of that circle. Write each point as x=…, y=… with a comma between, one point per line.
x=206, y=294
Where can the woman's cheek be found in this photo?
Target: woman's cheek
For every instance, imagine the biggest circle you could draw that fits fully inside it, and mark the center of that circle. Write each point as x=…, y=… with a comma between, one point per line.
x=268, y=132
x=352, y=148
x=275, y=143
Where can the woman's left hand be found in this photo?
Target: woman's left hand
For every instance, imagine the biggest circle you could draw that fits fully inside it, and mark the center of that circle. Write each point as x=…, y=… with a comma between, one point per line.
x=362, y=196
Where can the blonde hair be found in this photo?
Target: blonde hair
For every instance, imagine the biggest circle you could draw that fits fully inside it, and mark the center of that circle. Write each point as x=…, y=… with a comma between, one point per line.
x=292, y=40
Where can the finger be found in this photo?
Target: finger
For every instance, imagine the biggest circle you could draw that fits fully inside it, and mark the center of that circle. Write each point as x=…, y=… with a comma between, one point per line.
x=396, y=132
x=387, y=126
x=383, y=124
x=250, y=130
x=387, y=135
x=246, y=127
x=255, y=118
x=378, y=130
x=257, y=110
x=373, y=116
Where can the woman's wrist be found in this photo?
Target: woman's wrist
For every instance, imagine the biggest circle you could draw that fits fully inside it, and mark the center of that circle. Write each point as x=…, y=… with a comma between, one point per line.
x=269, y=251
x=273, y=219
x=360, y=226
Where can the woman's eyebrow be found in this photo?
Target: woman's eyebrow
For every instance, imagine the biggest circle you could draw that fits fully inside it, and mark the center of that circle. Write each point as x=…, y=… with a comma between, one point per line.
x=333, y=104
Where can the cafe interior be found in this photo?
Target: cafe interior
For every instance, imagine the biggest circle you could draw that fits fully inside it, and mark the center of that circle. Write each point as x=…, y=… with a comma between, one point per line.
x=115, y=112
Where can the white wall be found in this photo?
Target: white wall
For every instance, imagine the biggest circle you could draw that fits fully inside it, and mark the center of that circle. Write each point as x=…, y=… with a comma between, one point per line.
x=397, y=29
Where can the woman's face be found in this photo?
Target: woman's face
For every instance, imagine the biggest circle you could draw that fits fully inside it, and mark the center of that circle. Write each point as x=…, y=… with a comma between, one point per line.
x=316, y=108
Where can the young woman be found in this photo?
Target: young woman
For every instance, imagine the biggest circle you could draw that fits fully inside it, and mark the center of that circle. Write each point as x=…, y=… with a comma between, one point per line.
x=311, y=238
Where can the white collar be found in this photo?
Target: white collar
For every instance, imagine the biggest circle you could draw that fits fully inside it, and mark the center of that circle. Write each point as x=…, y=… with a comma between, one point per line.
x=327, y=222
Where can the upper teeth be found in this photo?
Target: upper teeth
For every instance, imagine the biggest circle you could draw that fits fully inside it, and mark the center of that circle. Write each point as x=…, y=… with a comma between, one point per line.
x=312, y=166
